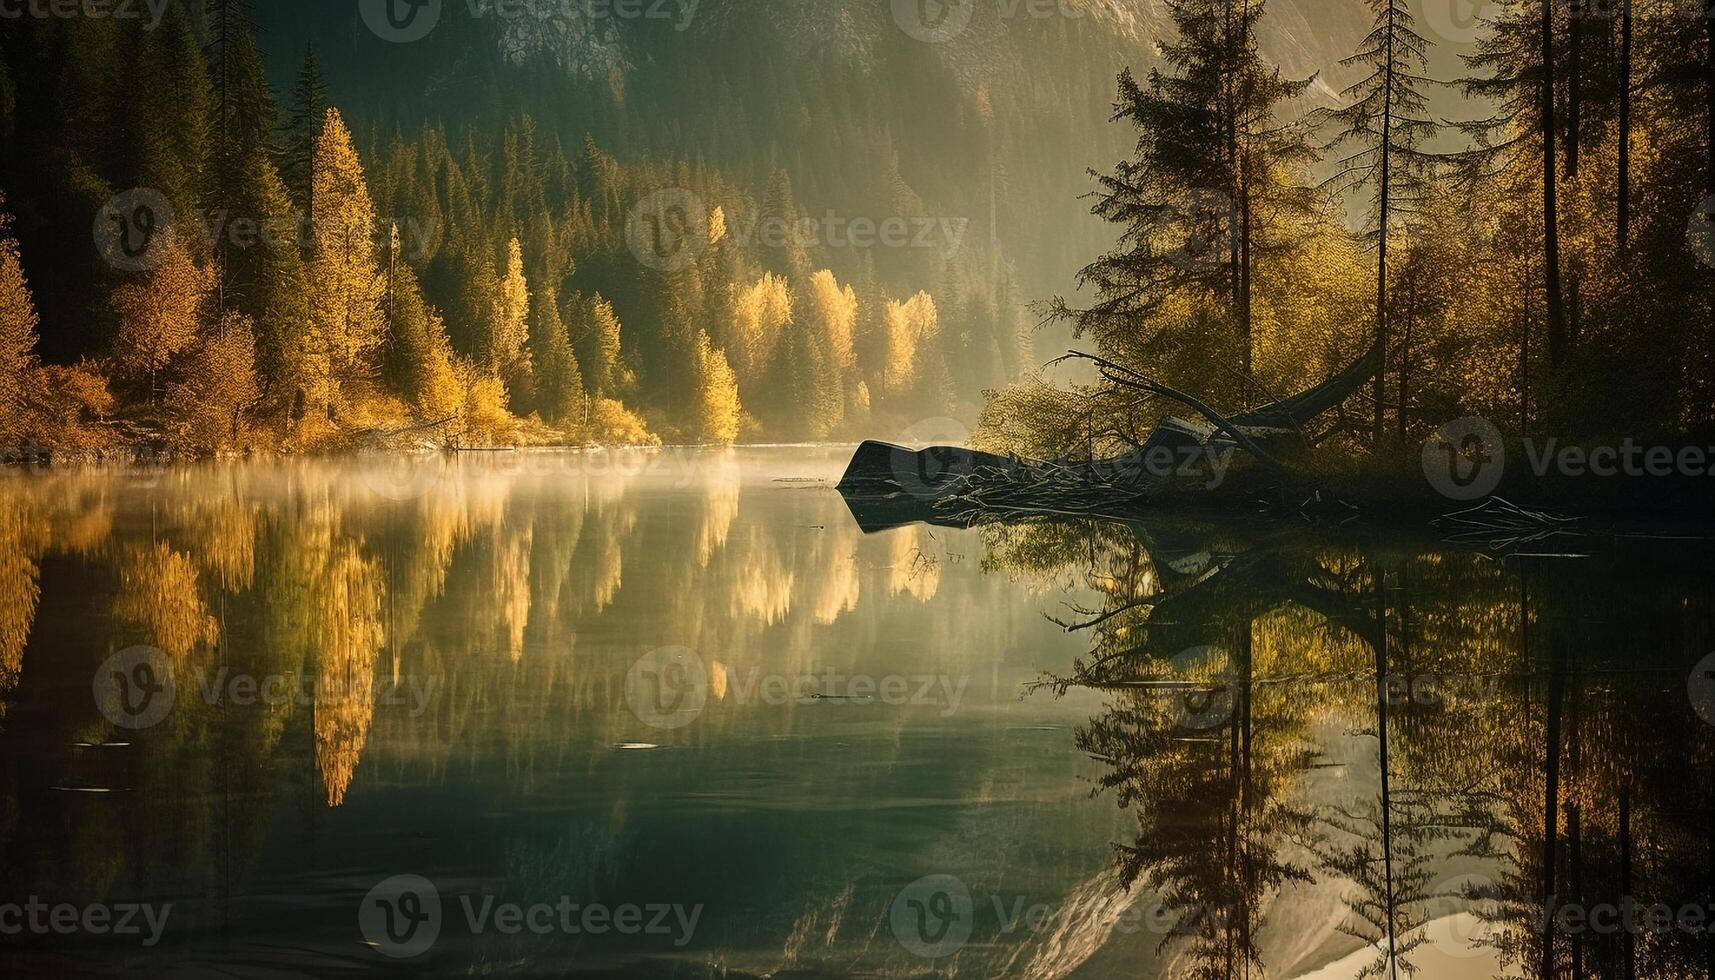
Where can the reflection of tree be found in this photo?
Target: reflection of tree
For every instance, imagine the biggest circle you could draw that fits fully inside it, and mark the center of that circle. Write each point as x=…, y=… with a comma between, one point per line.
x=23, y=535
x=326, y=603
x=158, y=592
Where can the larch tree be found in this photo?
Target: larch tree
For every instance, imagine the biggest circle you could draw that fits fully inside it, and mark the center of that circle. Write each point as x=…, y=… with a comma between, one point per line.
x=346, y=320
x=160, y=317
x=1381, y=130
x=419, y=356
x=1514, y=63
x=17, y=329
x=504, y=352
x=207, y=409
x=905, y=326
x=717, y=410
x=834, y=311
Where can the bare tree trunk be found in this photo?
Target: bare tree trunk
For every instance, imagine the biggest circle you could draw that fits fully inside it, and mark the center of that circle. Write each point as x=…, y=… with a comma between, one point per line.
x=1550, y=221
x=1551, y=806
x=1382, y=226
x=1623, y=210
x=1627, y=951
x=1405, y=361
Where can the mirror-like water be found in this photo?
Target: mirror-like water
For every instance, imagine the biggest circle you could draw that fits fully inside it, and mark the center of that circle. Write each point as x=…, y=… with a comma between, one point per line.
x=673, y=714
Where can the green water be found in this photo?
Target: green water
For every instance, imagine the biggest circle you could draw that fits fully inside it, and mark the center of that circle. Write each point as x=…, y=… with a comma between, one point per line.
x=674, y=715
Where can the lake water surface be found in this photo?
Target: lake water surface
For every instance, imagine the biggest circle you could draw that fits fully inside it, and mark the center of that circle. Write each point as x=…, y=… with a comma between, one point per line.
x=675, y=714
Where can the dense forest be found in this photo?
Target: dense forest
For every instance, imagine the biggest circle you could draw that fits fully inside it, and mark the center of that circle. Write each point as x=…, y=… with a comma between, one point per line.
x=271, y=269
x=1536, y=251
x=298, y=247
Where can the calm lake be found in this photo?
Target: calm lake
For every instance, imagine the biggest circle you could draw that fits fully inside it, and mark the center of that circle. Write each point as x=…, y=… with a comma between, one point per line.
x=676, y=714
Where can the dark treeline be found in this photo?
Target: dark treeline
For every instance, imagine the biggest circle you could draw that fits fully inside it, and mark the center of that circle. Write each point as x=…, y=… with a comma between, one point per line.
x=328, y=276
x=1539, y=255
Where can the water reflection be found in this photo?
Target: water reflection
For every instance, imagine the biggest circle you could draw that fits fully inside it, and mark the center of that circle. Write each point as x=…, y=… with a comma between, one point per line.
x=1413, y=749
x=1099, y=748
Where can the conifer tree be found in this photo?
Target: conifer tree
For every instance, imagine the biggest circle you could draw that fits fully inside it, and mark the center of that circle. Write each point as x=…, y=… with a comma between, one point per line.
x=161, y=316
x=559, y=383
x=1385, y=124
x=419, y=356
x=595, y=330
x=1201, y=200
x=717, y=408
x=346, y=321
x=504, y=352
x=17, y=330
x=308, y=112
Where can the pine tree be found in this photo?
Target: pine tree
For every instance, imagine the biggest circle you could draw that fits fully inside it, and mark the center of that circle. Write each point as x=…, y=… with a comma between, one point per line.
x=303, y=130
x=595, y=330
x=1387, y=122
x=1201, y=199
x=503, y=351
x=559, y=383
x=258, y=258
x=346, y=321
x=419, y=361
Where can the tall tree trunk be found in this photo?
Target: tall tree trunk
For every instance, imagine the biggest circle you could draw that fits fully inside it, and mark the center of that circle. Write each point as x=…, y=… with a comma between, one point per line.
x=1623, y=208
x=1551, y=805
x=1550, y=220
x=1627, y=950
x=1402, y=414
x=1574, y=78
x=1383, y=201
x=1382, y=762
